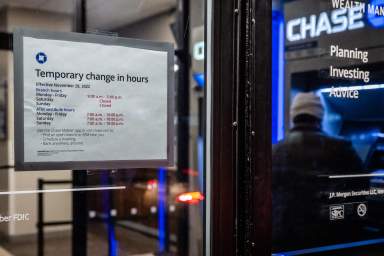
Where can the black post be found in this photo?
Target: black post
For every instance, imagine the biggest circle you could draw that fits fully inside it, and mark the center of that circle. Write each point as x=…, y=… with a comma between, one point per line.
x=79, y=214
x=79, y=177
x=40, y=220
x=183, y=116
x=183, y=77
x=80, y=16
x=6, y=41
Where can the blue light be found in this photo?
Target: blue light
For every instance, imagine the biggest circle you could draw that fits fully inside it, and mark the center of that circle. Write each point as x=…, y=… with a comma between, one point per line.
x=113, y=243
x=199, y=78
x=277, y=76
x=113, y=248
x=200, y=161
x=378, y=135
x=375, y=20
x=162, y=205
x=331, y=247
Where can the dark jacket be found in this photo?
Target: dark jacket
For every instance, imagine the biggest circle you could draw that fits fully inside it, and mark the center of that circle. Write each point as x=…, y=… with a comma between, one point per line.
x=300, y=192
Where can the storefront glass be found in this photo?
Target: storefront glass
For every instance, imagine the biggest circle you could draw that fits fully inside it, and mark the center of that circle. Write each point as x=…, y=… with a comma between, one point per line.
x=148, y=211
x=327, y=127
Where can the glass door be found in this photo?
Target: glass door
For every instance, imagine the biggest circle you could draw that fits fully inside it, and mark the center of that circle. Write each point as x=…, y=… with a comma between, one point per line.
x=327, y=128
x=108, y=211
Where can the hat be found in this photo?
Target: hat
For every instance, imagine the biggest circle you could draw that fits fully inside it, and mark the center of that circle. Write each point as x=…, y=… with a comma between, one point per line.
x=307, y=103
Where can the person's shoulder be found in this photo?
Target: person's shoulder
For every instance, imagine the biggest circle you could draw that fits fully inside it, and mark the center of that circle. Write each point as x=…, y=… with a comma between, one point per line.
x=281, y=144
x=337, y=140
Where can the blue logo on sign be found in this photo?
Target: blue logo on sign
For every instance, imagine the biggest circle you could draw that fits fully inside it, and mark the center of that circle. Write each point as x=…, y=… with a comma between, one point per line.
x=41, y=57
x=376, y=21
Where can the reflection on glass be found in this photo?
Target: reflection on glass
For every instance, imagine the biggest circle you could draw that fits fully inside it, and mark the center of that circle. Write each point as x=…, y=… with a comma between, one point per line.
x=154, y=211
x=327, y=164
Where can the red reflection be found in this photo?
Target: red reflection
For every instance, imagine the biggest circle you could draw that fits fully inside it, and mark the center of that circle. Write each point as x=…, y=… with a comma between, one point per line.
x=152, y=184
x=190, y=197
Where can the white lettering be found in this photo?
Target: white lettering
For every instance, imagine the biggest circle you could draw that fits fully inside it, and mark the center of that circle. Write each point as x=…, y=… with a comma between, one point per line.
x=340, y=20
x=323, y=25
x=337, y=21
x=291, y=25
x=310, y=26
x=337, y=51
x=344, y=93
x=355, y=17
x=355, y=73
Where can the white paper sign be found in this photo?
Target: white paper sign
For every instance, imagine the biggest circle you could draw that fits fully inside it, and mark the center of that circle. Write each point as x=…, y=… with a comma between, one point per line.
x=94, y=102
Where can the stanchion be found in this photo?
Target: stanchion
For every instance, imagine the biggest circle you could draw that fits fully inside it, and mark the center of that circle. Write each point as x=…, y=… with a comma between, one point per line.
x=40, y=216
x=79, y=214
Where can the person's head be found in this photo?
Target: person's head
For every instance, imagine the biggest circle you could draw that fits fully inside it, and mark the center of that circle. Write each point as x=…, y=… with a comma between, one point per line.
x=306, y=106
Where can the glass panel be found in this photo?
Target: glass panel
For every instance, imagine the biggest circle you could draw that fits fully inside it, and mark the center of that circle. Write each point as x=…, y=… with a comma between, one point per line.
x=327, y=127
x=141, y=211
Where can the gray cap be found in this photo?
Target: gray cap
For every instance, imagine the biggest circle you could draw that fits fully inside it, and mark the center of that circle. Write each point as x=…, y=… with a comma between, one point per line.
x=307, y=103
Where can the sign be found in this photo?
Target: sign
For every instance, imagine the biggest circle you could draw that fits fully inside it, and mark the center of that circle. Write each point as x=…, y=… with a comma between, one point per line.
x=92, y=102
x=336, y=212
x=336, y=21
x=362, y=210
x=198, y=56
x=312, y=25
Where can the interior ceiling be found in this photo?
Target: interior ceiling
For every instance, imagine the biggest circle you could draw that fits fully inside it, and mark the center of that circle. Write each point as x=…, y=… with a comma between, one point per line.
x=101, y=14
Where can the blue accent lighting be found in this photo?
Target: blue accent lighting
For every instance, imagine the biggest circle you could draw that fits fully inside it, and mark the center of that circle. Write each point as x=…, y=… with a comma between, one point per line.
x=162, y=205
x=331, y=247
x=375, y=20
x=199, y=78
x=277, y=76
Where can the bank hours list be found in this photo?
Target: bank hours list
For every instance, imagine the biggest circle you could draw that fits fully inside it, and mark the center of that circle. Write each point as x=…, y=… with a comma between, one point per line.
x=53, y=107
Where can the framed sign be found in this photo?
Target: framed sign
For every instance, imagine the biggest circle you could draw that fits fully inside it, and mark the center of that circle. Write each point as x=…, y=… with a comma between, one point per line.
x=86, y=101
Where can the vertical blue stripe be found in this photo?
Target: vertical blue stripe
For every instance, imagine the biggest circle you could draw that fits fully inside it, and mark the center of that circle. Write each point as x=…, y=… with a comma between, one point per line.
x=112, y=248
x=277, y=76
x=162, y=205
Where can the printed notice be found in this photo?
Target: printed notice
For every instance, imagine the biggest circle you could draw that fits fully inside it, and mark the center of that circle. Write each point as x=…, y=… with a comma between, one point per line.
x=87, y=101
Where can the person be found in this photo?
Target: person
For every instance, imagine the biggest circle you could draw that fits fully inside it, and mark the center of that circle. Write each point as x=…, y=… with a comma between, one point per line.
x=300, y=165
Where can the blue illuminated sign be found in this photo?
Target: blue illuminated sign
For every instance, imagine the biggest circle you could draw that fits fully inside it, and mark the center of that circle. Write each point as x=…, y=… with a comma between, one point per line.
x=337, y=21
x=199, y=78
x=375, y=20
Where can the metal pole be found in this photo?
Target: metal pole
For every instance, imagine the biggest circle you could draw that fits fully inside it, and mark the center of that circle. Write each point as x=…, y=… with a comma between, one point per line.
x=183, y=118
x=80, y=16
x=79, y=214
x=40, y=220
x=79, y=177
x=183, y=77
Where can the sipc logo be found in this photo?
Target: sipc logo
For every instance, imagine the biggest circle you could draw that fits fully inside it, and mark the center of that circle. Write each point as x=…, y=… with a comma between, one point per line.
x=41, y=58
x=336, y=212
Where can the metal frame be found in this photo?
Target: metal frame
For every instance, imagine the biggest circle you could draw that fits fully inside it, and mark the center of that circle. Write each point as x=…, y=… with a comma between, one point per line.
x=207, y=134
x=19, y=34
x=240, y=192
x=223, y=124
x=254, y=128
x=183, y=111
